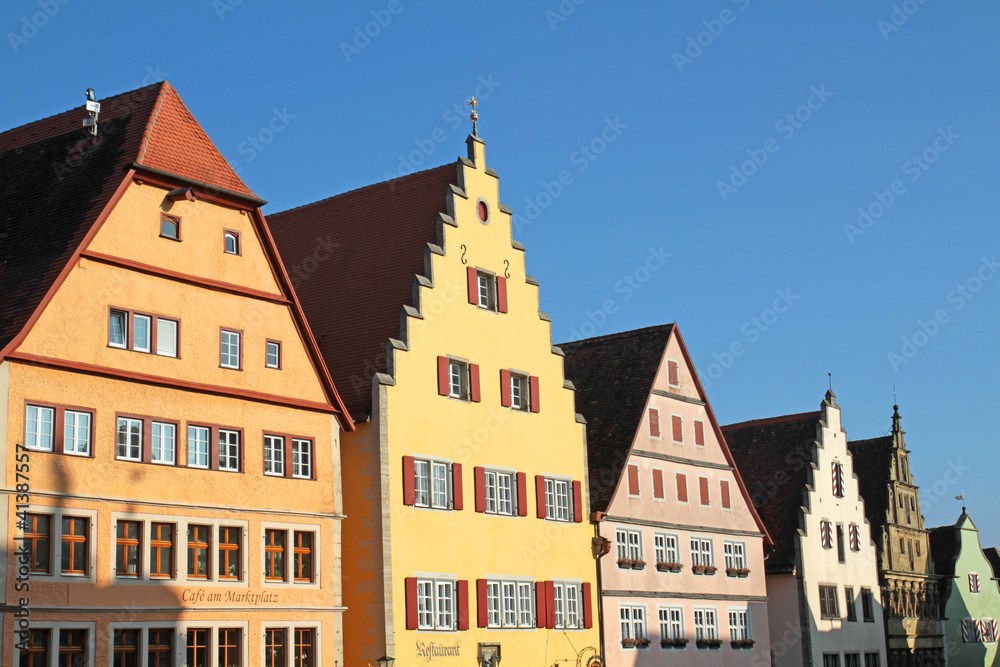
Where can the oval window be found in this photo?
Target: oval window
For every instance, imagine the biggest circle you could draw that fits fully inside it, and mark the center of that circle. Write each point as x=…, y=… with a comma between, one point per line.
x=484, y=212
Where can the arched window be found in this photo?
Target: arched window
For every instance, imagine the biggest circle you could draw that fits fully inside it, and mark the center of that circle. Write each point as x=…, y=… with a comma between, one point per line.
x=232, y=243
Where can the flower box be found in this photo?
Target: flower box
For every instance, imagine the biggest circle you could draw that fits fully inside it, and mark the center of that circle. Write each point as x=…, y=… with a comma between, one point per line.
x=669, y=567
x=740, y=572
x=638, y=564
x=631, y=563
x=741, y=643
x=635, y=643
x=674, y=643
x=709, y=643
x=710, y=569
x=698, y=569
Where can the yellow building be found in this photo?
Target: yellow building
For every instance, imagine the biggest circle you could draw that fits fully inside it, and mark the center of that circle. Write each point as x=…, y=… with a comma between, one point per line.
x=465, y=483
x=171, y=434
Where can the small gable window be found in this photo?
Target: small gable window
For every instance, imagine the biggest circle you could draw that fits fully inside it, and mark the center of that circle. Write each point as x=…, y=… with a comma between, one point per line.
x=232, y=243
x=273, y=354
x=170, y=227
x=974, y=582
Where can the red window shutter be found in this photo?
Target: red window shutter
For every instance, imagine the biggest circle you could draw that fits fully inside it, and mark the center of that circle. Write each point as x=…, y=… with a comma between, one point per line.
x=540, y=495
x=577, y=502
x=463, y=604
x=654, y=422
x=443, y=385
x=658, y=484
x=674, y=377
x=541, y=612
x=522, y=494
x=473, y=281
x=505, y=388
x=678, y=428
x=534, y=393
x=699, y=434
x=409, y=489
x=550, y=604
x=725, y=494
x=633, y=480
x=479, y=477
x=411, y=603
x=456, y=485
x=482, y=615
x=682, y=487
x=474, y=382
x=703, y=483
x=501, y=294
x=588, y=609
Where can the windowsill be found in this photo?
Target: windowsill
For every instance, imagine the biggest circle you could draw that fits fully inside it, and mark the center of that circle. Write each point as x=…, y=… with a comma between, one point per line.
x=170, y=238
x=230, y=368
x=432, y=509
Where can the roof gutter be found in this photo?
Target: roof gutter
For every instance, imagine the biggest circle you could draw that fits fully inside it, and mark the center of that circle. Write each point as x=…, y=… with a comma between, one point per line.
x=212, y=189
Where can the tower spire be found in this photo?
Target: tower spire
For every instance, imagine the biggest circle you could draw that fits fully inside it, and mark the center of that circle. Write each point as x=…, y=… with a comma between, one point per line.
x=474, y=116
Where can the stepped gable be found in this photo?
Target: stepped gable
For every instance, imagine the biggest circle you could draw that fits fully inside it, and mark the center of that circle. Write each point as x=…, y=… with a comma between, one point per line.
x=56, y=179
x=774, y=457
x=873, y=467
x=613, y=376
x=372, y=242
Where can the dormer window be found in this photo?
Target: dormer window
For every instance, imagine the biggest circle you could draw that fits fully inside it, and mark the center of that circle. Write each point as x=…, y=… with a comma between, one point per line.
x=232, y=242
x=170, y=227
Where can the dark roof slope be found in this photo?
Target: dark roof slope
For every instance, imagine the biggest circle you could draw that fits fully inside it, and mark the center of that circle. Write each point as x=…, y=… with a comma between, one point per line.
x=352, y=259
x=621, y=367
x=873, y=466
x=993, y=556
x=56, y=178
x=944, y=542
x=774, y=456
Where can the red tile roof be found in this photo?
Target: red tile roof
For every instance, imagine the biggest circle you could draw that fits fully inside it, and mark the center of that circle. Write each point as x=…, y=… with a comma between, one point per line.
x=352, y=259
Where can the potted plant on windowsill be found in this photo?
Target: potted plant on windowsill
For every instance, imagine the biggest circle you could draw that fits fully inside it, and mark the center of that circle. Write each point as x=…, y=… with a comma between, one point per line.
x=629, y=643
x=698, y=569
x=740, y=572
x=677, y=642
x=668, y=566
x=710, y=569
x=709, y=643
x=642, y=643
x=741, y=643
x=638, y=564
x=625, y=563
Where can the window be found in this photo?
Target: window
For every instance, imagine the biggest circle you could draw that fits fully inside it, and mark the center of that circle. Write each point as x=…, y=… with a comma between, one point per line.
x=229, y=450
x=852, y=660
x=988, y=630
x=666, y=549
x=735, y=553
x=918, y=547
x=970, y=631
x=974, y=582
x=837, y=474
x=868, y=605
x=673, y=376
x=671, y=623
x=166, y=337
x=828, y=602
x=229, y=647
x=557, y=499
x=272, y=354
x=127, y=549
x=499, y=492
x=509, y=604
x=75, y=545
x=431, y=484
x=658, y=492
x=275, y=643
x=682, y=489
x=852, y=612
x=305, y=641
x=170, y=227
x=633, y=621
x=229, y=344
x=703, y=488
x=519, y=392
x=197, y=551
x=739, y=625
x=161, y=646
x=457, y=382
x=724, y=494
x=76, y=435
x=301, y=458
x=826, y=534
x=197, y=647
x=840, y=543
x=633, y=481
x=39, y=427
x=701, y=552
x=36, y=652
x=302, y=557
x=229, y=552
x=486, y=294
x=566, y=602
x=525, y=604
x=197, y=446
x=161, y=551
x=232, y=242
x=654, y=423
x=164, y=441
x=126, y=648
x=117, y=328
x=148, y=333
x=699, y=433
x=274, y=455
x=141, y=334
x=436, y=604
x=274, y=555
x=872, y=660
x=706, y=624
x=37, y=541
x=677, y=428
x=72, y=648
x=831, y=660
x=854, y=535
x=129, y=439
x=629, y=547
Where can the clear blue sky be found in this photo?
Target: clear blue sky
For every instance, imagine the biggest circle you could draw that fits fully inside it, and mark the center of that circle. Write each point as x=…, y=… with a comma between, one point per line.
x=883, y=89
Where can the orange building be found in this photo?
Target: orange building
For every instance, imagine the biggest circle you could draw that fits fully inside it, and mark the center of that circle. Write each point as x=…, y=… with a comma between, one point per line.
x=172, y=434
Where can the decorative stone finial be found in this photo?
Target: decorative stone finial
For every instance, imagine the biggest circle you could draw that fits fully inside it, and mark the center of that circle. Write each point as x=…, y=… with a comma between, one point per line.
x=474, y=116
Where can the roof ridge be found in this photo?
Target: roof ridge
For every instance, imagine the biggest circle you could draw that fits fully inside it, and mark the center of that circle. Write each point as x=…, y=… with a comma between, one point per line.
x=619, y=335
x=865, y=441
x=151, y=122
x=773, y=420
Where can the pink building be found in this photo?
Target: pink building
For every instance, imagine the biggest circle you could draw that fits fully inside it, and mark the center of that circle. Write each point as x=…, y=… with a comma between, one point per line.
x=682, y=580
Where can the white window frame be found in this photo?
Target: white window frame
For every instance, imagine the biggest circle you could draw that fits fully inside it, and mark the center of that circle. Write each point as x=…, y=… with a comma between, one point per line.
x=122, y=317
x=633, y=624
x=735, y=554
x=671, y=622
x=486, y=290
x=500, y=492
x=635, y=551
x=556, y=490
x=706, y=623
x=226, y=236
x=568, y=604
x=427, y=487
x=458, y=379
x=51, y=421
x=194, y=453
x=276, y=346
x=129, y=444
x=72, y=432
x=159, y=441
x=228, y=349
x=443, y=603
x=161, y=335
x=228, y=450
x=702, y=551
x=520, y=399
x=145, y=345
x=667, y=549
x=274, y=456
x=510, y=603
x=739, y=623
x=302, y=458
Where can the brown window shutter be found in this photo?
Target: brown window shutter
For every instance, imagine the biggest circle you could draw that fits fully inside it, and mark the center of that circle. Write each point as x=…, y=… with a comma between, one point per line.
x=550, y=604
x=541, y=612
x=658, y=484
x=725, y=494
x=483, y=614
x=633, y=480
x=588, y=609
x=703, y=487
x=534, y=393
x=443, y=385
x=577, y=502
x=540, y=495
x=473, y=281
x=654, y=422
x=456, y=486
x=682, y=487
x=699, y=434
x=505, y=388
x=409, y=488
x=463, y=604
x=501, y=294
x=522, y=494
x=479, y=476
x=474, y=382
x=674, y=377
x=678, y=428
x=411, y=603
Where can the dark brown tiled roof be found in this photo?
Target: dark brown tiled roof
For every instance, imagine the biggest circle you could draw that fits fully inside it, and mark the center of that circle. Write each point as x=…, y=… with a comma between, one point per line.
x=945, y=544
x=873, y=466
x=774, y=457
x=352, y=259
x=993, y=556
x=56, y=178
x=613, y=376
